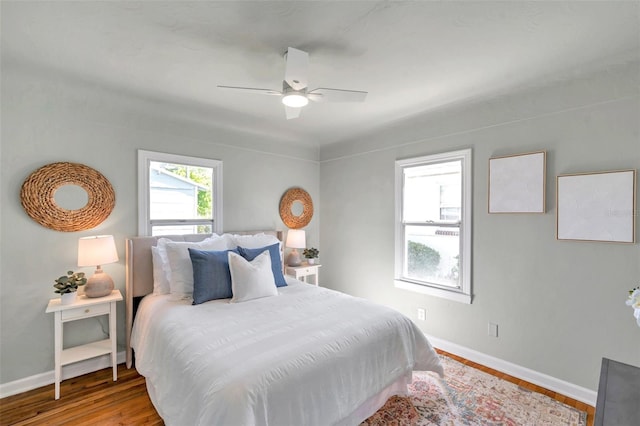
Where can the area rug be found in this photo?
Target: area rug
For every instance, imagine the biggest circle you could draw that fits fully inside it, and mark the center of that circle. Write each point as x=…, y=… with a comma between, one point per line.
x=468, y=396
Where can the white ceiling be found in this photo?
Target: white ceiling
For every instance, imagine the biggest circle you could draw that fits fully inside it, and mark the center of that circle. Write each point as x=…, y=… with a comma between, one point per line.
x=412, y=57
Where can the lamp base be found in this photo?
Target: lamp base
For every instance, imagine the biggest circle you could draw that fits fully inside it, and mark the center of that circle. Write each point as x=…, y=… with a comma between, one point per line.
x=99, y=285
x=294, y=258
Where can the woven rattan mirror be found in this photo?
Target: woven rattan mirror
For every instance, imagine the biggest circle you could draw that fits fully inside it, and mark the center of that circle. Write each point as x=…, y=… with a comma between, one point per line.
x=290, y=208
x=38, y=197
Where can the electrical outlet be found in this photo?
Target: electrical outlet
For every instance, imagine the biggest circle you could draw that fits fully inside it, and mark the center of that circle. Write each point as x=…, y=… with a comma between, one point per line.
x=493, y=329
x=422, y=314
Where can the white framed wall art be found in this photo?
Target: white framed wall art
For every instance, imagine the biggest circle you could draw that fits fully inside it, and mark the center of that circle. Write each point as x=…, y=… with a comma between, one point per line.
x=517, y=183
x=598, y=206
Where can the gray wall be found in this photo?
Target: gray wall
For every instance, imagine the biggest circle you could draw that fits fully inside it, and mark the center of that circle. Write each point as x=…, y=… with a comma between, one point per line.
x=47, y=118
x=559, y=305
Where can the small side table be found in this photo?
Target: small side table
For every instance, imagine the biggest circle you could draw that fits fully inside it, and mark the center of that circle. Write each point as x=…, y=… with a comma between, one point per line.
x=303, y=271
x=84, y=307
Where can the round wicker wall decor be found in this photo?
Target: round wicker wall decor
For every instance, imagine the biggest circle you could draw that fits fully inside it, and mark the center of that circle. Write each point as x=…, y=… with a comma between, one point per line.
x=286, y=208
x=37, y=197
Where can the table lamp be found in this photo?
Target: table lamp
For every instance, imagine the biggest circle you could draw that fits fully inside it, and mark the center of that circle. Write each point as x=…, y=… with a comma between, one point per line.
x=296, y=240
x=97, y=251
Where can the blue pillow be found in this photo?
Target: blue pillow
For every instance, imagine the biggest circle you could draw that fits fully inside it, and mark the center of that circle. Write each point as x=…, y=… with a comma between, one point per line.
x=276, y=263
x=211, y=275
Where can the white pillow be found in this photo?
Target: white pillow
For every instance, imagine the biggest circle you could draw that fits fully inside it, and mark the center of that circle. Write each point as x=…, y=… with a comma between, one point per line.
x=251, y=280
x=254, y=241
x=180, y=269
x=160, y=281
x=161, y=248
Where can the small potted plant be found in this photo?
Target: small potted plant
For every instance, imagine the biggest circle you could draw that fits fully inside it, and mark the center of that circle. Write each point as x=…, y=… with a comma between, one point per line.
x=67, y=286
x=311, y=254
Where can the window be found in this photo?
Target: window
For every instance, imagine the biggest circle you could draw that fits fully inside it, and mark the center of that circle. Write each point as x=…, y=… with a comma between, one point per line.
x=433, y=225
x=178, y=194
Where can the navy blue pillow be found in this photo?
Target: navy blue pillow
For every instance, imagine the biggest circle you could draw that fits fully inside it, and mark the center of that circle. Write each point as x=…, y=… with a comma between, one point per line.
x=276, y=263
x=211, y=275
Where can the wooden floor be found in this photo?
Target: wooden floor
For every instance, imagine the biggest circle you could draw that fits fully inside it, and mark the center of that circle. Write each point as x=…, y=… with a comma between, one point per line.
x=94, y=399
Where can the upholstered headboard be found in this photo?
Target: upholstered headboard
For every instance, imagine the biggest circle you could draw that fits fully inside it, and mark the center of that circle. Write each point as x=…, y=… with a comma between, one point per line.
x=139, y=272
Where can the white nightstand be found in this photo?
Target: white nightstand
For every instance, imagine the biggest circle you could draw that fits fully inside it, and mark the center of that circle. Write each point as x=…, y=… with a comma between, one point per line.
x=84, y=307
x=303, y=271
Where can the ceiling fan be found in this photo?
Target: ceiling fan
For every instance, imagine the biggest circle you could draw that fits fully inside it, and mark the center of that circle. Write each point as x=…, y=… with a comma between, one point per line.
x=295, y=93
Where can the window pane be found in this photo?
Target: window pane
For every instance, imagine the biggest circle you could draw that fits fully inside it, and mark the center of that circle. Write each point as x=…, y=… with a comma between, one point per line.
x=433, y=207
x=433, y=254
x=178, y=191
x=180, y=229
x=433, y=192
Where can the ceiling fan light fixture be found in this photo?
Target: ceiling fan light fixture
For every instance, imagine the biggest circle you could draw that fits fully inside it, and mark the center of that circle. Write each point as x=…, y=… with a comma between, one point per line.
x=295, y=100
x=295, y=94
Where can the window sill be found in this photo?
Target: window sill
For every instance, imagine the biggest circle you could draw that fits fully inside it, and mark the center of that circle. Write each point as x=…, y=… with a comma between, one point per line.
x=433, y=291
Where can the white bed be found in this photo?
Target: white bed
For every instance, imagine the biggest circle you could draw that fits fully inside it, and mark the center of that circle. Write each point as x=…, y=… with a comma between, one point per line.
x=308, y=356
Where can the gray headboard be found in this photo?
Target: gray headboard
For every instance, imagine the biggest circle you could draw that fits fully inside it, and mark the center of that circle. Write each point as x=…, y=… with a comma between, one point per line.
x=139, y=272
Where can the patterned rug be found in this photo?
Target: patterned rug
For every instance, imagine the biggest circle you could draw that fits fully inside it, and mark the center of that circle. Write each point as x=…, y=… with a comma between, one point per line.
x=468, y=396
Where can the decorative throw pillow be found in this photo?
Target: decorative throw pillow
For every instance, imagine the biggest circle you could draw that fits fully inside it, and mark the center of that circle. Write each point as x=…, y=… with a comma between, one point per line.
x=276, y=262
x=211, y=275
x=160, y=281
x=180, y=268
x=251, y=279
x=162, y=251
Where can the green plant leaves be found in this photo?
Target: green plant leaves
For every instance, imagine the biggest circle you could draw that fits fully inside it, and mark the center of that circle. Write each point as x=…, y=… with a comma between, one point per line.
x=70, y=282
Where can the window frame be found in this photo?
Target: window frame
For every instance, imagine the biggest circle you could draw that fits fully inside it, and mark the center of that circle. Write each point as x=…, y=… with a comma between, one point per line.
x=464, y=293
x=145, y=224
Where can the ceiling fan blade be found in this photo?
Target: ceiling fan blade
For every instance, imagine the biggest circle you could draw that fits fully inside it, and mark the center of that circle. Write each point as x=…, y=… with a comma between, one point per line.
x=292, y=112
x=323, y=94
x=296, y=68
x=252, y=90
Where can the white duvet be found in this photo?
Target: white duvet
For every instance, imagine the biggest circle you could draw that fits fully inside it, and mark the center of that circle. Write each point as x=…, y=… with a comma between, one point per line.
x=309, y=356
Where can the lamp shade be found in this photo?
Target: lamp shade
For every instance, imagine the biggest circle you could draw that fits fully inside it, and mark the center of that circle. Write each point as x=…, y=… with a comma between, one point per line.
x=97, y=250
x=296, y=238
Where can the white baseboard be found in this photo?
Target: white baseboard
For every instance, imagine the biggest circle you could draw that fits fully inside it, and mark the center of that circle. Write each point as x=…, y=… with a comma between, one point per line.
x=565, y=388
x=69, y=371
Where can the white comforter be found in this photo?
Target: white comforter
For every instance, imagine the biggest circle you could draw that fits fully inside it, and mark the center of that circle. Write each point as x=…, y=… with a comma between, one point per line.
x=309, y=356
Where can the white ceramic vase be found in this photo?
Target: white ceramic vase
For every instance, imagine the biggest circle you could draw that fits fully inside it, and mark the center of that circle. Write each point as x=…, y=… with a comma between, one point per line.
x=68, y=298
x=311, y=261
